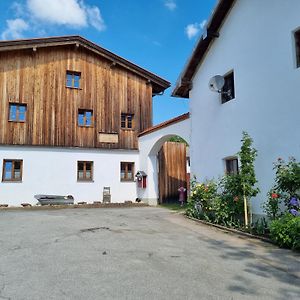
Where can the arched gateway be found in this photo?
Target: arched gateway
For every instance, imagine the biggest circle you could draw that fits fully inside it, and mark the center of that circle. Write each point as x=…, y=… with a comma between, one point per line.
x=150, y=143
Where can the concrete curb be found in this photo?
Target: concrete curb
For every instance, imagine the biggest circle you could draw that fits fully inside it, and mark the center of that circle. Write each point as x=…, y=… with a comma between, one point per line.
x=57, y=207
x=235, y=231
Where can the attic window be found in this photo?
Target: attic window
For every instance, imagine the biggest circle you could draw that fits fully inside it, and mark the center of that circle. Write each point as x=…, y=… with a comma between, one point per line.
x=127, y=121
x=228, y=92
x=297, y=45
x=17, y=112
x=85, y=117
x=73, y=79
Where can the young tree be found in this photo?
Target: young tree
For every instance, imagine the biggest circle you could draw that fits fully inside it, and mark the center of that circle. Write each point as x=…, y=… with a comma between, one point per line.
x=247, y=157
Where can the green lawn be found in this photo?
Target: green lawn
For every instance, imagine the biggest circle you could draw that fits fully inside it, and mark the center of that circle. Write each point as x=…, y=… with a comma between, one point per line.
x=173, y=206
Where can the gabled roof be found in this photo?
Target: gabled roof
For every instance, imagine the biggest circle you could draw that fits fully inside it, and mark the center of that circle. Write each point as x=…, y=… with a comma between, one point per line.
x=159, y=84
x=165, y=124
x=183, y=85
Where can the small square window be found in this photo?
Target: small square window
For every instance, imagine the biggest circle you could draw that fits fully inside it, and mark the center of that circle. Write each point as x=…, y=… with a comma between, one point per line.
x=73, y=79
x=85, y=171
x=127, y=171
x=17, y=112
x=127, y=121
x=12, y=170
x=297, y=45
x=85, y=117
x=228, y=92
x=232, y=166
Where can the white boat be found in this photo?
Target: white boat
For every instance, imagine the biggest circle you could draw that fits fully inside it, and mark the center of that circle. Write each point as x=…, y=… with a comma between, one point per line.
x=54, y=199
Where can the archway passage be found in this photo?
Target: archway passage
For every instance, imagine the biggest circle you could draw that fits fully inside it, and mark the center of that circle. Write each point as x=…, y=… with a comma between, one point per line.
x=151, y=142
x=172, y=171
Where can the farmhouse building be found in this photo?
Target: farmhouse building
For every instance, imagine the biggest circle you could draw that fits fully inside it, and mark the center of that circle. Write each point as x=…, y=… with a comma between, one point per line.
x=71, y=113
x=258, y=55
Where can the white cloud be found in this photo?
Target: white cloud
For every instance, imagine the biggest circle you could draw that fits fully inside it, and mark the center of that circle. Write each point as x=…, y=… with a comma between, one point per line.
x=95, y=18
x=61, y=12
x=39, y=14
x=14, y=29
x=170, y=4
x=192, y=30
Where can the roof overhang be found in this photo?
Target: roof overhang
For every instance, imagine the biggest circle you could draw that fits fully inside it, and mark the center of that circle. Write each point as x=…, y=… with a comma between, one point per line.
x=165, y=124
x=184, y=83
x=159, y=84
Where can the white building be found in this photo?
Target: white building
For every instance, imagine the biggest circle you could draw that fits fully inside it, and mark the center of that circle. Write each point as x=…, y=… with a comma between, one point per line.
x=255, y=44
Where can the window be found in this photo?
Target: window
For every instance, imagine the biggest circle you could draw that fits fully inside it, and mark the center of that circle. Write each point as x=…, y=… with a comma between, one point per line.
x=85, y=117
x=127, y=121
x=228, y=89
x=297, y=45
x=127, y=171
x=17, y=112
x=85, y=171
x=12, y=170
x=232, y=166
x=73, y=79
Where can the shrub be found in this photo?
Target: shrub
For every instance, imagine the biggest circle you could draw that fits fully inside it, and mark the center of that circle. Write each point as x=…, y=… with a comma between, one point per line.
x=272, y=207
x=200, y=203
x=287, y=179
x=285, y=231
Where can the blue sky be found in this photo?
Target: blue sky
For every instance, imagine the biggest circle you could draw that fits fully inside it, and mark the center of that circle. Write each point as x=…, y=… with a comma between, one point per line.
x=158, y=35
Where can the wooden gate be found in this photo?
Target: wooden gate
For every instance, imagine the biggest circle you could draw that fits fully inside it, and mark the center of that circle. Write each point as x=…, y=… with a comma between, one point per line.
x=172, y=171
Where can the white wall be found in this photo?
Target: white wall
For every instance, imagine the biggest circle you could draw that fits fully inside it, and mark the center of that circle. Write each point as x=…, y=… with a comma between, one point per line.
x=54, y=171
x=256, y=41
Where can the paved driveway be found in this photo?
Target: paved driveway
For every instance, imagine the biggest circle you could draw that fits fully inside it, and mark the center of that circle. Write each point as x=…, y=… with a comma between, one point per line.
x=137, y=253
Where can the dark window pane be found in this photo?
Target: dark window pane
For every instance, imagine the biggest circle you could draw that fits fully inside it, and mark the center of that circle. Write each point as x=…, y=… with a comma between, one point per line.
x=88, y=166
x=17, y=165
x=228, y=92
x=80, y=166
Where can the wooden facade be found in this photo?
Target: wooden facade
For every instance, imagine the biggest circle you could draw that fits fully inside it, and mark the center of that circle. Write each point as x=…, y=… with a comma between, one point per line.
x=172, y=171
x=37, y=77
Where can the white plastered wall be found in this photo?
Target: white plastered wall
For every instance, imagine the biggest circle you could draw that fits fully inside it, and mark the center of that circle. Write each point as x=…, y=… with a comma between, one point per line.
x=256, y=41
x=54, y=171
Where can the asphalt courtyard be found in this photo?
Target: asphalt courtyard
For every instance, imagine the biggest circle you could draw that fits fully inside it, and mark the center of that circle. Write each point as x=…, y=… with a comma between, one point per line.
x=136, y=253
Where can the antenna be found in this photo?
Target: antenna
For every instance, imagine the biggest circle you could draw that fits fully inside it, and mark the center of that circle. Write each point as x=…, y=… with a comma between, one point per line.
x=216, y=83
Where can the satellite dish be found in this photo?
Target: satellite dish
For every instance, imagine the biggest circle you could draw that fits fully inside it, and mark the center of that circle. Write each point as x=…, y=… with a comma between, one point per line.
x=216, y=83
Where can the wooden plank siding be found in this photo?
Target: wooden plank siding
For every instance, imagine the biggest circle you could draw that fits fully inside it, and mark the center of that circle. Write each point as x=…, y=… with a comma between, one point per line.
x=38, y=78
x=172, y=171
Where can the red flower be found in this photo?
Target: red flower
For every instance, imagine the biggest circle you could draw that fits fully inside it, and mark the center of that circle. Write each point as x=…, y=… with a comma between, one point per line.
x=274, y=195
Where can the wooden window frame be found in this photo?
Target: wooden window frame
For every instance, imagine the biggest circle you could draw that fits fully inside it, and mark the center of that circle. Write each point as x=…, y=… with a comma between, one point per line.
x=228, y=86
x=13, y=179
x=17, y=112
x=84, y=179
x=126, y=179
x=230, y=160
x=84, y=117
x=127, y=115
x=73, y=74
x=297, y=47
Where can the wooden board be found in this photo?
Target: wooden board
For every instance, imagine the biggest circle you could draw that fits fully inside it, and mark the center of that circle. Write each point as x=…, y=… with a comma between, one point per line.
x=172, y=171
x=38, y=78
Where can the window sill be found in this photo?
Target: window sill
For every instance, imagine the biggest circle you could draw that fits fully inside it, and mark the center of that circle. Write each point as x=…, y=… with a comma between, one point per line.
x=73, y=88
x=127, y=180
x=13, y=121
x=83, y=126
x=128, y=129
x=11, y=181
x=85, y=180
